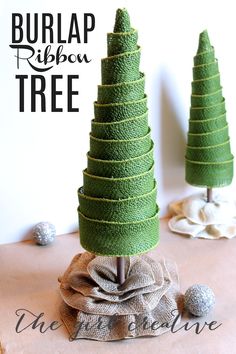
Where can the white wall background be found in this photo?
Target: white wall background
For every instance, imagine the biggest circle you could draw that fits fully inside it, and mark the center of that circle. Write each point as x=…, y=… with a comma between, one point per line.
x=42, y=154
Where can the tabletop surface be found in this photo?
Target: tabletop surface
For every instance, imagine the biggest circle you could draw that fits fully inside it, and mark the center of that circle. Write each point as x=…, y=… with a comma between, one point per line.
x=29, y=288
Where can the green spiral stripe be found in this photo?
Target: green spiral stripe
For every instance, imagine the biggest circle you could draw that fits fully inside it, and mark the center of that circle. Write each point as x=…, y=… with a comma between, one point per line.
x=133, y=127
x=118, y=214
x=116, y=188
x=123, y=168
x=119, y=210
x=113, y=112
x=103, y=243
x=119, y=149
x=131, y=91
x=209, y=161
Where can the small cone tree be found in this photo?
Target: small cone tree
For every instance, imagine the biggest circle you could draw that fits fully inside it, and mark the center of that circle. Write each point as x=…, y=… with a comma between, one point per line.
x=117, y=203
x=209, y=162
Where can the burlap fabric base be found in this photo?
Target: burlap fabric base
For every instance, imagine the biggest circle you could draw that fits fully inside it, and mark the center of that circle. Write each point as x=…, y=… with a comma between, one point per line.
x=195, y=217
x=95, y=306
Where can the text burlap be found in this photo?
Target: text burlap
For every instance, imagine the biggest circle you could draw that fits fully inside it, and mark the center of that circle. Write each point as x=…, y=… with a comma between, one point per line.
x=95, y=306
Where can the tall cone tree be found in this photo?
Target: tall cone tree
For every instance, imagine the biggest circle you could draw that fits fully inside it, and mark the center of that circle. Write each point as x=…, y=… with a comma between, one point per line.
x=117, y=203
x=209, y=161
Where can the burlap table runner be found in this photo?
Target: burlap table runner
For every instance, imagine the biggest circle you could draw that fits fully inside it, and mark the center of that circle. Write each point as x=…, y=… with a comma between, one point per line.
x=95, y=306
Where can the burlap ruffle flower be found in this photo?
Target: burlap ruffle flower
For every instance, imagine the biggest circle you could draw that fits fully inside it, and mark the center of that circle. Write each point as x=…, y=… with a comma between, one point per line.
x=91, y=295
x=195, y=217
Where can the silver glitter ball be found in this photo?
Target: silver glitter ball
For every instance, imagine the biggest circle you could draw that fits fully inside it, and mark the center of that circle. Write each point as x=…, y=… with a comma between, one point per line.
x=44, y=233
x=199, y=299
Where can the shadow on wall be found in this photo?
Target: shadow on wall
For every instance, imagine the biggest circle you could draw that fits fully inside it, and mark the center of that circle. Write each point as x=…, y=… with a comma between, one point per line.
x=173, y=142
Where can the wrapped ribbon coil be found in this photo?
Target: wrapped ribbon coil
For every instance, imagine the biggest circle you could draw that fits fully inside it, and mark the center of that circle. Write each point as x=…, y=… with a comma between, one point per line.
x=209, y=161
x=118, y=215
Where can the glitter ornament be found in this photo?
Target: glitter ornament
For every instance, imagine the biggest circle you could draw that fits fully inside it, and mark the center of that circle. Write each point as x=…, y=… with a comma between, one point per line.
x=44, y=233
x=199, y=300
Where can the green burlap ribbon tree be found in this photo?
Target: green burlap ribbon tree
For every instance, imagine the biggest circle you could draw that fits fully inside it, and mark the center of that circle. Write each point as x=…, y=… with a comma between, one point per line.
x=117, y=203
x=209, y=161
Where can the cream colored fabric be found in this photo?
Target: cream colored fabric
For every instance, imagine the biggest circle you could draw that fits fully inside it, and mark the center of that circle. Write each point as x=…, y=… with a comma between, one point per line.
x=151, y=291
x=195, y=217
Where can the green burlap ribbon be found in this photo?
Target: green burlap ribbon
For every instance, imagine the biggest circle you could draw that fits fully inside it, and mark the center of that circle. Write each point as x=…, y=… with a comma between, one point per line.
x=118, y=211
x=209, y=161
